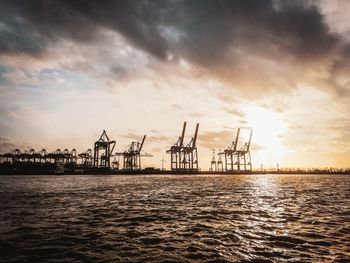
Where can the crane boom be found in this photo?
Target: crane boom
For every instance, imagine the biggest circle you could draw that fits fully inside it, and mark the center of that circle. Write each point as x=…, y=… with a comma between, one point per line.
x=236, y=141
x=250, y=139
x=195, y=135
x=183, y=135
x=143, y=140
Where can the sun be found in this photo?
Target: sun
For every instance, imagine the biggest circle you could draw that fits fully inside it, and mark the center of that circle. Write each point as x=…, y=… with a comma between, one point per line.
x=268, y=128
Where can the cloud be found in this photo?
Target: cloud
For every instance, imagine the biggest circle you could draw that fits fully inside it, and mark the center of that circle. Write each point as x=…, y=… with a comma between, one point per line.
x=132, y=136
x=176, y=107
x=160, y=27
x=153, y=25
x=223, y=139
x=160, y=139
x=339, y=72
x=232, y=27
x=216, y=139
x=30, y=27
x=155, y=131
x=235, y=112
x=196, y=114
x=6, y=145
x=280, y=43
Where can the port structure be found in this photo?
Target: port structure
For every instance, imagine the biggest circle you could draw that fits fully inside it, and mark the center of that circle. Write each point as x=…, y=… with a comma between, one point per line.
x=230, y=154
x=58, y=156
x=184, y=158
x=220, y=164
x=86, y=158
x=63, y=157
x=238, y=159
x=31, y=156
x=132, y=156
x=103, y=149
x=115, y=163
x=12, y=157
x=163, y=161
x=244, y=162
x=213, y=162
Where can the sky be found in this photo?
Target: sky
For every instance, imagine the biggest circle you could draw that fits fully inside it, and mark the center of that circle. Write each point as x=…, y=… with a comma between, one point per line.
x=70, y=69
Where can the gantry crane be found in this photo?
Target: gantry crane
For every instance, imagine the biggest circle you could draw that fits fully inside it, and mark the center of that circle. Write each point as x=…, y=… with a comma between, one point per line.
x=220, y=165
x=238, y=159
x=230, y=153
x=243, y=156
x=213, y=162
x=103, y=150
x=86, y=158
x=132, y=156
x=184, y=158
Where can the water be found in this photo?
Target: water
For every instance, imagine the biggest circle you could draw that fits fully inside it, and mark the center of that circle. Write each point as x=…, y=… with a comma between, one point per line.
x=245, y=218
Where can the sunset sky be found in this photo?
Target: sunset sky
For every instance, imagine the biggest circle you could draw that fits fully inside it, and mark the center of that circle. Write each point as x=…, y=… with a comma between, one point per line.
x=69, y=69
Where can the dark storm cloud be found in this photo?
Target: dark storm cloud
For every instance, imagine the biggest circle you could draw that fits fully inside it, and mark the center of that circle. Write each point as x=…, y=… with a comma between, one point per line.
x=213, y=27
x=30, y=26
x=230, y=40
x=207, y=28
x=340, y=70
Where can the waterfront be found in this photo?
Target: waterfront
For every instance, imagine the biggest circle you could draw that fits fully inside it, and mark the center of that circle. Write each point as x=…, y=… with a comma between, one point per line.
x=175, y=218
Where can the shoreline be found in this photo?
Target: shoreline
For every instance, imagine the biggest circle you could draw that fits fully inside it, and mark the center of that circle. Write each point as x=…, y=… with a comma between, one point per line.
x=164, y=172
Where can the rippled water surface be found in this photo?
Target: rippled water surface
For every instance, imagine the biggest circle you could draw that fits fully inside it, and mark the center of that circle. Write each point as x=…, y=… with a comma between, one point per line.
x=240, y=218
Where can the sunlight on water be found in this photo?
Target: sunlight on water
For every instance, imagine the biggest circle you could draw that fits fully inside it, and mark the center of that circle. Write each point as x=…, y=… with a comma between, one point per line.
x=249, y=218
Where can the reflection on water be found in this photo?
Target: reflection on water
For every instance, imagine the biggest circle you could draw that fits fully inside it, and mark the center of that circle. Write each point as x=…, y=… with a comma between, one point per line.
x=246, y=218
